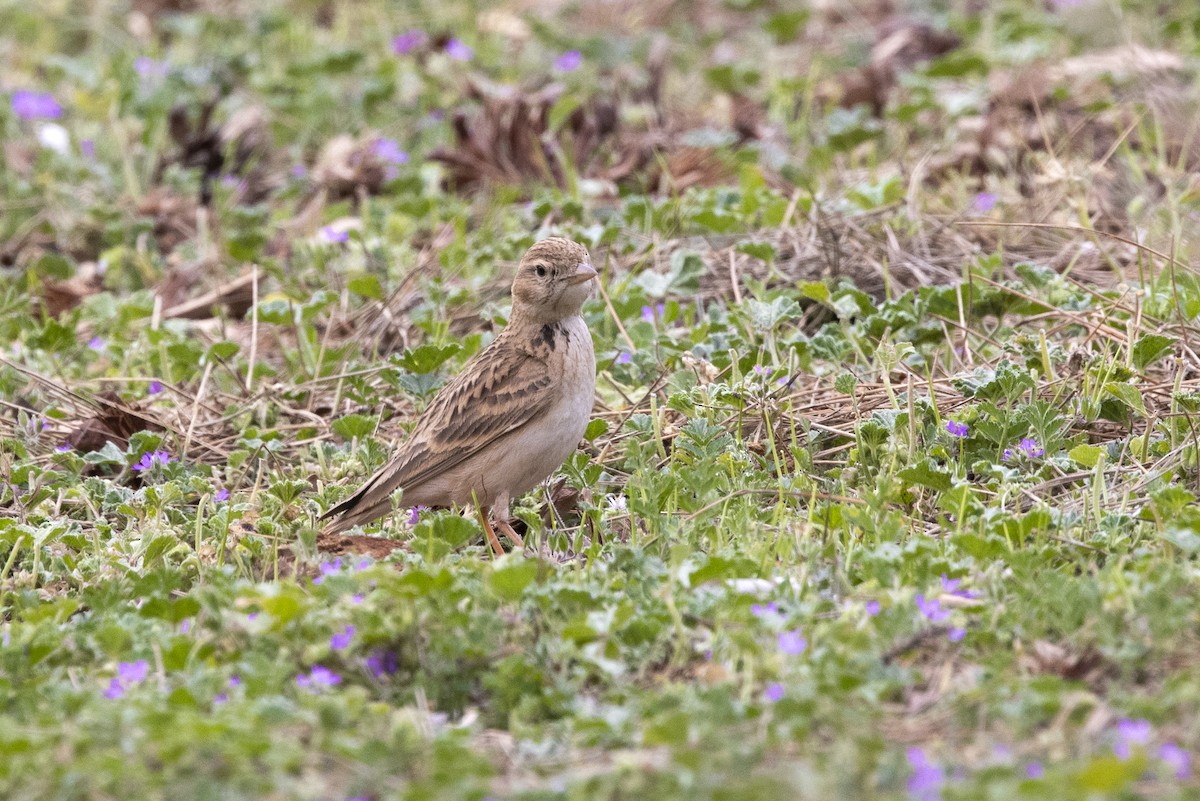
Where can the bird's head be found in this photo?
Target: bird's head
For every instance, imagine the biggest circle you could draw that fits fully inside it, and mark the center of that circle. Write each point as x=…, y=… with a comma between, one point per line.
x=553, y=280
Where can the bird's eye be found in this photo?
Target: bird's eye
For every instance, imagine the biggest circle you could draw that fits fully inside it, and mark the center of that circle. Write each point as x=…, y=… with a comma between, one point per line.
x=541, y=271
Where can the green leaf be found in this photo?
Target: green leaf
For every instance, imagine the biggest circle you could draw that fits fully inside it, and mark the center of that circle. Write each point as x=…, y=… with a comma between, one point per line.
x=1150, y=348
x=596, y=428
x=927, y=474
x=511, y=575
x=845, y=383
x=1127, y=394
x=816, y=290
x=367, y=285
x=427, y=358
x=1086, y=455
x=764, y=251
x=354, y=425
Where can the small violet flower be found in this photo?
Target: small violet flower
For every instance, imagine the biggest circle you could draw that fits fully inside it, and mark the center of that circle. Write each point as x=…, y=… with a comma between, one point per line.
x=873, y=608
x=984, y=202
x=957, y=429
x=328, y=569
x=568, y=61
x=792, y=643
x=648, y=312
x=66, y=446
x=382, y=663
x=389, y=150
x=318, y=677
x=414, y=514
x=87, y=148
x=624, y=357
x=222, y=495
x=96, y=343
x=761, y=610
x=931, y=609
x=129, y=674
x=957, y=634
x=35, y=105
x=150, y=68
x=925, y=783
x=332, y=235
x=459, y=51
x=155, y=387
x=1030, y=447
x=1130, y=733
x=409, y=41
x=152, y=458
x=773, y=692
x=342, y=639
x=1177, y=759
x=1034, y=770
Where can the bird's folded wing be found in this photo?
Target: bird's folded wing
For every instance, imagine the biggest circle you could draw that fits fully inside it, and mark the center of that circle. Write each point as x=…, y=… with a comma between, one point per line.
x=501, y=391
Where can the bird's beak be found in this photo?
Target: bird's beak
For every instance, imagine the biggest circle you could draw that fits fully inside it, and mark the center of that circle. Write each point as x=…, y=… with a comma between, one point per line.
x=584, y=273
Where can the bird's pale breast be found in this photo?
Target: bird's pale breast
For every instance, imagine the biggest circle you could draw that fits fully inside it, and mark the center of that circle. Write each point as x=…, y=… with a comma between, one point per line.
x=518, y=462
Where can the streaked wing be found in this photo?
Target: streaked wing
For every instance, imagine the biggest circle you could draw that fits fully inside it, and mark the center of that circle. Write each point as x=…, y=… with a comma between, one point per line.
x=499, y=392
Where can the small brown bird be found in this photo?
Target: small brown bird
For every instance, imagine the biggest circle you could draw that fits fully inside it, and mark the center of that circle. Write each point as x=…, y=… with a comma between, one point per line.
x=514, y=414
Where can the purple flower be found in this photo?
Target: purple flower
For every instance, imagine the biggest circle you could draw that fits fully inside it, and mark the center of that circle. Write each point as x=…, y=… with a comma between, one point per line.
x=299, y=171
x=150, y=68
x=792, y=643
x=357, y=598
x=1034, y=770
x=389, y=151
x=762, y=371
x=220, y=698
x=342, y=638
x=155, y=387
x=932, y=609
x=383, y=663
x=222, y=495
x=331, y=234
x=87, y=149
x=185, y=626
x=568, y=61
x=459, y=51
x=1031, y=448
x=415, y=513
x=35, y=105
x=409, y=41
x=66, y=446
x=925, y=783
x=624, y=357
x=150, y=459
x=984, y=202
x=773, y=693
x=362, y=564
x=769, y=608
x=873, y=608
x=328, y=569
x=956, y=429
x=1131, y=733
x=235, y=681
x=128, y=674
x=96, y=343
x=951, y=586
x=1007, y=454
x=318, y=677
x=957, y=634
x=648, y=312
x=1177, y=759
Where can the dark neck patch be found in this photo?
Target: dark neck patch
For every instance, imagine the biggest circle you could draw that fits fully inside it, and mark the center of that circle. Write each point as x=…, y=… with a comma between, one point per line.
x=546, y=336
